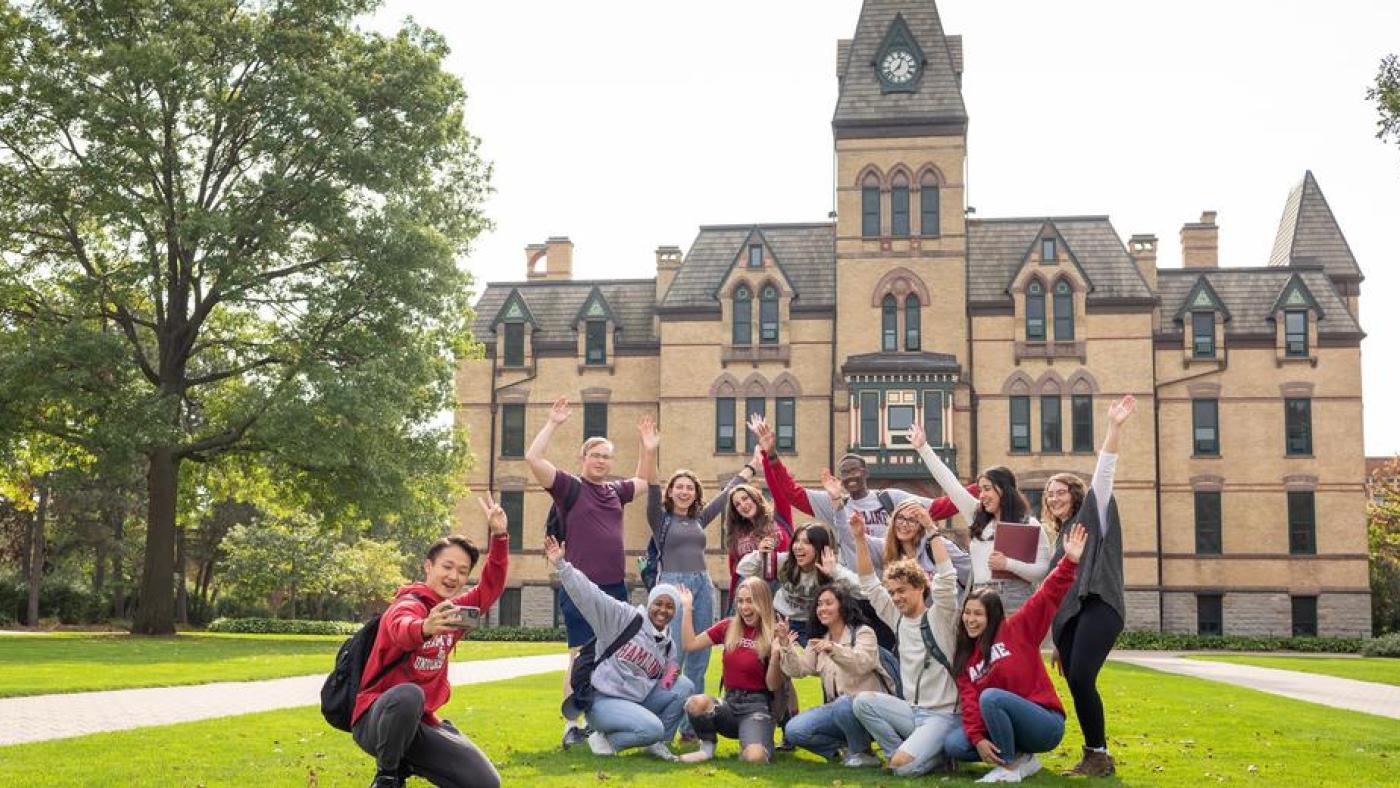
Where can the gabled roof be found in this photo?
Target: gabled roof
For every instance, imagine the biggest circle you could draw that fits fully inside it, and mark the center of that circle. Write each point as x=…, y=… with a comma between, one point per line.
x=514, y=309
x=1296, y=294
x=595, y=305
x=1048, y=229
x=741, y=257
x=1252, y=293
x=997, y=248
x=937, y=101
x=1308, y=233
x=807, y=253
x=1201, y=298
x=556, y=306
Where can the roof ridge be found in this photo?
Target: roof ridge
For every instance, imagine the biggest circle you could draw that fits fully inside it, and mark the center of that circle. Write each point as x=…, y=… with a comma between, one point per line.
x=567, y=282
x=766, y=225
x=1269, y=269
x=1071, y=218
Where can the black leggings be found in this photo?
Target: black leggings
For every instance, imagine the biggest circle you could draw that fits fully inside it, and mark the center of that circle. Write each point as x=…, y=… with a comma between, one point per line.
x=1084, y=643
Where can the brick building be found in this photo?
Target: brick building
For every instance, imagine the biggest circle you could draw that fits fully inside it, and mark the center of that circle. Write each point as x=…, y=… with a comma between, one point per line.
x=1006, y=338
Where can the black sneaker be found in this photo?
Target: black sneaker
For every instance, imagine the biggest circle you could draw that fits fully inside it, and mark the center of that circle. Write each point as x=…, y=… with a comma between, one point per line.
x=574, y=735
x=385, y=779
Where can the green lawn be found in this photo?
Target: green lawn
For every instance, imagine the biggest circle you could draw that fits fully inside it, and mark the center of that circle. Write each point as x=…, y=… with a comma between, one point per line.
x=79, y=662
x=1378, y=669
x=1164, y=730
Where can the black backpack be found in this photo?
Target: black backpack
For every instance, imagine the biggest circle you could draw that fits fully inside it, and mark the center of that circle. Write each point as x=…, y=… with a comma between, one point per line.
x=555, y=525
x=343, y=684
x=588, y=659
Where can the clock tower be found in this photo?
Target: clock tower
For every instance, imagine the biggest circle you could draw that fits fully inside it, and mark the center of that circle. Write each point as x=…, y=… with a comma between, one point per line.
x=902, y=348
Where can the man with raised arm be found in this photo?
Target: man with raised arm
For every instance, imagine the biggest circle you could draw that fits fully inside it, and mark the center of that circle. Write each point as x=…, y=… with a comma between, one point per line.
x=590, y=508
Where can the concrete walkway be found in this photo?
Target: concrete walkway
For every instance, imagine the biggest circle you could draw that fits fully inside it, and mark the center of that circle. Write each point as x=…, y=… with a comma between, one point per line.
x=45, y=717
x=1364, y=696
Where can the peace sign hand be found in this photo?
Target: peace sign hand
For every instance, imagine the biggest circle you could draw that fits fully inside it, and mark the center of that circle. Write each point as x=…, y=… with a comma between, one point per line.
x=495, y=516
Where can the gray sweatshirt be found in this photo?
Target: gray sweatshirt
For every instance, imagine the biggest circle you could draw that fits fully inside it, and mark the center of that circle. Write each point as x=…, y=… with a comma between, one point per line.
x=684, y=548
x=633, y=671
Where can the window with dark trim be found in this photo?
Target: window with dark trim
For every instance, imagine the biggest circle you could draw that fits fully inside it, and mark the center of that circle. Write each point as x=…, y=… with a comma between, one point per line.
x=928, y=205
x=724, y=424
x=1035, y=311
x=1047, y=250
x=1081, y=413
x=1304, y=616
x=753, y=406
x=1208, y=523
x=898, y=420
x=870, y=418
x=596, y=342
x=913, y=322
x=870, y=207
x=1210, y=614
x=515, y=345
x=513, y=504
x=1035, y=497
x=1205, y=427
x=1203, y=334
x=889, y=324
x=513, y=430
x=1297, y=426
x=509, y=610
x=786, y=417
x=933, y=417
x=1295, y=333
x=755, y=255
x=742, y=332
x=1302, y=523
x=899, y=207
x=1020, y=423
x=595, y=420
x=768, y=316
x=1050, y=424
x=1064, y=312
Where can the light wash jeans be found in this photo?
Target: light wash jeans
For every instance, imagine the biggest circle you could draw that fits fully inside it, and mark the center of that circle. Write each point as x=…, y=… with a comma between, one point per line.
x=900, y=726
x=1014, y=724
x=826, y=729
x=702, y=616
x=655, y=719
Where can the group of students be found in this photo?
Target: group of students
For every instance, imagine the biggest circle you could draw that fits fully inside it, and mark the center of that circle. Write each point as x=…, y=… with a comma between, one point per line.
x=929, y=650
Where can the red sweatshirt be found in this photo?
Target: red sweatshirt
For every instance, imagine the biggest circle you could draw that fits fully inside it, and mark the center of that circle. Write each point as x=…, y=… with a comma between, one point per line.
x=1016, y=665
x=401, y=629
x=781, y=483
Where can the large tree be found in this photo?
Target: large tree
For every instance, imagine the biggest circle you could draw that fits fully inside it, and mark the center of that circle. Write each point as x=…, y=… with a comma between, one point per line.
x=238, y=224
x=1386, y=94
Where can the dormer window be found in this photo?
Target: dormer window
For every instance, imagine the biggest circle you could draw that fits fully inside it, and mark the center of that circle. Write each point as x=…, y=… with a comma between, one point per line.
x=1064, y=310
x=1295, y=333
x=1035, y=312
x=1047, y=250
x=768, y=316
x=755, y=256
x=899, y=206
x=1203, y=334
x=514, y=344
x=870, y=206
x=596, y=342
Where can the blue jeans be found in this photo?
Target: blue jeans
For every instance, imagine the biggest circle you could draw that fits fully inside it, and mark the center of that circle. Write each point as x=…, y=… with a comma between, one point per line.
x=826, y=729
x=1014, y=724
x=900, y=726
x=630, y=724
x=702, y=616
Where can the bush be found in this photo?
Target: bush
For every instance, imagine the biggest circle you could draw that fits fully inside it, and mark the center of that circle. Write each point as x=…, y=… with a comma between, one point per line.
x=518, y=634
x=1168, y=641
x=282, y=626
x=1383, y=646
x=70, y=603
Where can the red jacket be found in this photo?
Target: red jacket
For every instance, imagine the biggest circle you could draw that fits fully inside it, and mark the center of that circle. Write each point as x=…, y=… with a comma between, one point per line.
x=782, y=485
x=401, y=629
x=1016, y=664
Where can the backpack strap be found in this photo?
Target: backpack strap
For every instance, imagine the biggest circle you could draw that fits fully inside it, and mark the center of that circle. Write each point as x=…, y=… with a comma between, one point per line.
x=628, y=632
x=402, y=658
x=886, y=501
x=561, y=509
x=660, y=540
x=930, y=645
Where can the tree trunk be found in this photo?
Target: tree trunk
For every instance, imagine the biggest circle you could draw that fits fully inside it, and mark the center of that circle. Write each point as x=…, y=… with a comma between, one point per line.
x=99, y=565
x=36, y=557
x=182, y=593
x=155, y=612
x=118, y=523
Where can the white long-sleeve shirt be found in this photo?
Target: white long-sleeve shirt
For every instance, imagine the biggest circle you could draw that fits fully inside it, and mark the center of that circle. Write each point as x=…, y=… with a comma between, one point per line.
x=1103, y=486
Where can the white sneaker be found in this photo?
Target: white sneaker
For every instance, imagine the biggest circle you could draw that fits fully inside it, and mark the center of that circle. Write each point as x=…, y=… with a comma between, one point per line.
x=1000, y=774
x=599, y=744
x=861, y=760
x=1026, y=765
x=660, y=750
x=706, y=752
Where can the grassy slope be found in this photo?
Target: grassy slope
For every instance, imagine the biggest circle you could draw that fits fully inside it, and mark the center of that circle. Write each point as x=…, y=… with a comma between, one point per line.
x=40, y=664
x=1164, y=730
x=1377, y=669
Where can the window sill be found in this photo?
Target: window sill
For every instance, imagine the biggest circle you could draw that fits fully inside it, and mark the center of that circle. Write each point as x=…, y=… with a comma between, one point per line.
x=1050, y=349
x=1205, y=456
x=753, y=354
x=1308, y=456
x=605, y=367
x=510, y=456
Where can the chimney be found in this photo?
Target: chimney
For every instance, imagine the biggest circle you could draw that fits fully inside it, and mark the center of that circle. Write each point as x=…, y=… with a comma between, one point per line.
x=1200, y=243
x=668, y=262
x=1143, y=249
x=558, y=256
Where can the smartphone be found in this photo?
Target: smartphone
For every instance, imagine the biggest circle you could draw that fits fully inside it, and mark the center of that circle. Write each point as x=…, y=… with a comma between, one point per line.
x=468, y=617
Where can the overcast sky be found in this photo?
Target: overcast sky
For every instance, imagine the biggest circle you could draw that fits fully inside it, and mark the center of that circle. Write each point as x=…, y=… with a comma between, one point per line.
x=627, y=125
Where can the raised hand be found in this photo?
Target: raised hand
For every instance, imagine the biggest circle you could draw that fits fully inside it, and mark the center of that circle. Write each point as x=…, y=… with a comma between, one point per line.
x=767, y=439
x=559, y=411
x=782, y=635
x=687, y=598
x=917, y=438
x=495, y=515
x=828, y=561
x=1119, y=411
x=833, y=487
x=553, y=551
x=651, y=436
x=857, y=522
x=1074, y=543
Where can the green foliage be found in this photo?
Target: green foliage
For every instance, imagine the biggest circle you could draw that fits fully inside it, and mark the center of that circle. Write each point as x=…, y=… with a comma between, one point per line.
x=1168, y=641
x=1386, y=94
x=365, y=573
x=1383, y=646
x=519, y=634
x=59, y=600
x=1383, y=542
x=281, y=626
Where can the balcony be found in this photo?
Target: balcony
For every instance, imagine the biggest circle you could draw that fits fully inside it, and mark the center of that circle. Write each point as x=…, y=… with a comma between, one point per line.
x=902, y=463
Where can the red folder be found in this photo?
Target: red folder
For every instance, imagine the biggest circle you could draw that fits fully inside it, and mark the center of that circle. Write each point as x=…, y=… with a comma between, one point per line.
x=1020, y=541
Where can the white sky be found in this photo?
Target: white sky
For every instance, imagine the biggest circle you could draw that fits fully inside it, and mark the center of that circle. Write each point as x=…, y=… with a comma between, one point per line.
x=626, y=125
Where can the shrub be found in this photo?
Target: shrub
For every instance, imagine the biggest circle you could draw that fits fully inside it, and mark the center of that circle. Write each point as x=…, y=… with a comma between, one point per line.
x=518, y=634
x=282, y=626
x=1169, y=641
x=1383, y=646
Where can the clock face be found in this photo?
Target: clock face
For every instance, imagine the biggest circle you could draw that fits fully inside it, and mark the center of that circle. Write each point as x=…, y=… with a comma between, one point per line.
x=898, y=67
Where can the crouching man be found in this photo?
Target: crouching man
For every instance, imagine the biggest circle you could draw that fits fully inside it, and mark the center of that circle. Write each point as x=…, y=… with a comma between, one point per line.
x=395, y=717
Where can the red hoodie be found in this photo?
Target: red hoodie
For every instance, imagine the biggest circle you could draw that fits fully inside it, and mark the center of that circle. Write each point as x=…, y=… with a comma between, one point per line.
x=781, y=483
x=401, y=629
x=1016, y=664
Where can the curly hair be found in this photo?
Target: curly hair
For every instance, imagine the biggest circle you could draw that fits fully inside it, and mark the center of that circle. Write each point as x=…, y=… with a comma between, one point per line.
x=847, y=605
x=695, y=506
x=907, y=570
x=736, y=525
x=1078, y=491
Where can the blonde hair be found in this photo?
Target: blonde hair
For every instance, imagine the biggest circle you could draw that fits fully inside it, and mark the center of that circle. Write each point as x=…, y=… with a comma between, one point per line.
x=763, y=606
x=1078, y=491
x=892, y=552
x=594, y=441
x=907, y=570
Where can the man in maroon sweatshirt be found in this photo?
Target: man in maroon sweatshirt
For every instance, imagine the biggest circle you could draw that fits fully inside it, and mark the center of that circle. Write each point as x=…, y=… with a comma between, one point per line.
x=395, y=717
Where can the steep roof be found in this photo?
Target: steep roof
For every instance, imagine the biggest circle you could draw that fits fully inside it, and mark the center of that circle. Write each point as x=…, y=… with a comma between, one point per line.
x=555, y=306
x=806, y=253
x=996, y=249
x=1250, y=295
x=937, y=101
x=1309, y=233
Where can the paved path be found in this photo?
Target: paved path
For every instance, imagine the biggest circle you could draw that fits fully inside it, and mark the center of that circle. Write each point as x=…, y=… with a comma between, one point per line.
x=44, y=717
x=1364, y=696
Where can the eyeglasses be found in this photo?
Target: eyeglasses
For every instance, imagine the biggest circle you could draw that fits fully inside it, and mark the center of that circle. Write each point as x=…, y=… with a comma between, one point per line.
x=593, y=455
x=908, y=520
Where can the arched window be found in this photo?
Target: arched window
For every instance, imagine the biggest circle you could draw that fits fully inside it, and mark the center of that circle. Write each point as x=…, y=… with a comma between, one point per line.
x=768, y=316
x=912, y=323
x=870, y=206
x=889, y=324
x=899, y=206
x=928, y=205
x=743, y=316
x=1035, y=311
x=1064, y=312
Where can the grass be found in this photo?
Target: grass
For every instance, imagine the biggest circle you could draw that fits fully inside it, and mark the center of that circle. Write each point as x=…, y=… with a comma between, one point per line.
x=1164, y=730
x=81, y=662
x=1378, y=669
